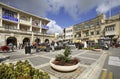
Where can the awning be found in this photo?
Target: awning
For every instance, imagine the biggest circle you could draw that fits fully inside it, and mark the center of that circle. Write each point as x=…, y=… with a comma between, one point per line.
x=116, y=37
x=75, y=41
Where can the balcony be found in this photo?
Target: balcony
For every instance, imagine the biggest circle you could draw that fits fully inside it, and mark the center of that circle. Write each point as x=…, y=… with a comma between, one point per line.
x=45, y=27
x=25, y=22
x=9, y=18
x=36, y=23
x=14, y=30
x=108, y=33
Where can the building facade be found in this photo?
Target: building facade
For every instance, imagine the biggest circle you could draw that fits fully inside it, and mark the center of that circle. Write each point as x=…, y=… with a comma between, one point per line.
x=89, y=31
x=97, y=29
x=69, y=34
x=111, y=29
x=17, y=26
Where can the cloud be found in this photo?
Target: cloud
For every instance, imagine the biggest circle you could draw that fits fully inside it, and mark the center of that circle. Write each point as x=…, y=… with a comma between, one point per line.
x=73, y=8
x=54, y=28
x=37, y=7
x=40, y=7
x=107, y=5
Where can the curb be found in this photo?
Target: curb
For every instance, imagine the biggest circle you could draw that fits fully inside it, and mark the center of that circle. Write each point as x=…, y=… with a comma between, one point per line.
x=4, y=57
x=94, y=70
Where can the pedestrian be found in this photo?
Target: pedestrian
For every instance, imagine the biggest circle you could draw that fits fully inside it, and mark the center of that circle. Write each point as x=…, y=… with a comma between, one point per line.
x=11, y=46
x=106, y=46
x=52, y=45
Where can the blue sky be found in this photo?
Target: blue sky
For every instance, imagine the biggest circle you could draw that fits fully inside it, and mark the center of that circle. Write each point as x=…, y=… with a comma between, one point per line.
x=64, y=13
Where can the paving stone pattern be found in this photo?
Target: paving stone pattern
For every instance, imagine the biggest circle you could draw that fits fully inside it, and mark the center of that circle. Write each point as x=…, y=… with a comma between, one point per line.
x=94, y=52
x=90, y=55
x=38, y=60
x=74, y=52
x=51, y=55
x=18, y=56
x=64, y=75
x=86, y=61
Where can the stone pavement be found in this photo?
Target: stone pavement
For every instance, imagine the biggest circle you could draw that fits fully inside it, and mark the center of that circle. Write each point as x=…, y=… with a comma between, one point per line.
x=88, y=62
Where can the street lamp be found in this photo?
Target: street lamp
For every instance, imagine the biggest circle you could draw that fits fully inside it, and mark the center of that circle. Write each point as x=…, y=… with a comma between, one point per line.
x=37, y=42
x=43, y=36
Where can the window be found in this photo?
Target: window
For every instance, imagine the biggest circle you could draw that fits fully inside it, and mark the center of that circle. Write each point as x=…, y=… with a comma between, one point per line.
x=9, y=13
x=87, y=33
x=97, y=23
x=86, y=26
x=92, y=33
x=98, y=32
x=25, y=18
x=35, y=22
x=110, y=28
x=91, y=25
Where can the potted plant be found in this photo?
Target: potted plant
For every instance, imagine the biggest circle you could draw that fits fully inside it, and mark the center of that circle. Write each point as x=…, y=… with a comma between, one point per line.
x=64, y=62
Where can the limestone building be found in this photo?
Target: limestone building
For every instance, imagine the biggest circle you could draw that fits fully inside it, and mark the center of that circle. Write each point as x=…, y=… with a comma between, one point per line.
x=69, y=34
x=98, y=28
x=89, y=31
x=17, y=26
x=111, y=29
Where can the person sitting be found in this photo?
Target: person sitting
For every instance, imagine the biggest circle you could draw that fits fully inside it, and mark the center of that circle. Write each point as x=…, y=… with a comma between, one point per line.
x=11, y=46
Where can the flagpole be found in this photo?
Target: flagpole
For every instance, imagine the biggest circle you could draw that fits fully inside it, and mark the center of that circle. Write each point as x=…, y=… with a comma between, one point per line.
x=110, y=9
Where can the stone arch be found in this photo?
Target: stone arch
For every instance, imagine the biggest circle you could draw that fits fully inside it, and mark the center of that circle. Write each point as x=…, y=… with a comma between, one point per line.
x=12, y=40
x=26, y=39
x=46, y=40
x=37, y=40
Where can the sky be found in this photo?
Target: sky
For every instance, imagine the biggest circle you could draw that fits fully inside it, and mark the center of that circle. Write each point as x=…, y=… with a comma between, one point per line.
x=65, y=13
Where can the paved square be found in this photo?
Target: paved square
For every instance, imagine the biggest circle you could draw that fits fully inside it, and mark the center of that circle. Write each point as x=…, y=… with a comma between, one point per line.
x=64, y=75
x=38, y=60
x=86, y=61
x=94, y=56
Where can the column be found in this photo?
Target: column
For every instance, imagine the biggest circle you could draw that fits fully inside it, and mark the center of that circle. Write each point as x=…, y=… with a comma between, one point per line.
x=3, y=39
x=31, y=23
x=18, y=26
x=32, y=38
x=0, y=17
x=40, y=26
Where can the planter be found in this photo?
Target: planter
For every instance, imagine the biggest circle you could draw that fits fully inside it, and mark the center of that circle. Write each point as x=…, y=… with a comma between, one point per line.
x=63, y=68
x=98, y=50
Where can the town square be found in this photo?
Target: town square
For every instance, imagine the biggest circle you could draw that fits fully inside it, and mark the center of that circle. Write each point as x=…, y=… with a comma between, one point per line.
x=50, y=41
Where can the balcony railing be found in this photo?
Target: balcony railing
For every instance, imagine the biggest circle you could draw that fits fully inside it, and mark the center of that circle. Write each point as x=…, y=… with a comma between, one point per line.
x=45, y=27
x=9, y=18
x=110, y=33
x=25, y=22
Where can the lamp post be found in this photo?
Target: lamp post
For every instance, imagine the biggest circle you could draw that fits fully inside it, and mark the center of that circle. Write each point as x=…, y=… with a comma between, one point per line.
x=37, y=42
x=43, y=36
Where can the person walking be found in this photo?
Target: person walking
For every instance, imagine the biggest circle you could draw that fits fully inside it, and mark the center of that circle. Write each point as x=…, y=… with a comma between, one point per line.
x=106, y=46
x=52, y=45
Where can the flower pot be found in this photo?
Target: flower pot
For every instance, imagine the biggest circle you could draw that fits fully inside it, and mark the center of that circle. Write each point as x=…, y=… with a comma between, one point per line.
x=63, y=68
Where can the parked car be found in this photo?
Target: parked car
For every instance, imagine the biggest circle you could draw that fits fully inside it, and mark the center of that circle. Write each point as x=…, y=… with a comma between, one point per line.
x=43, y=47
x=71, y=45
